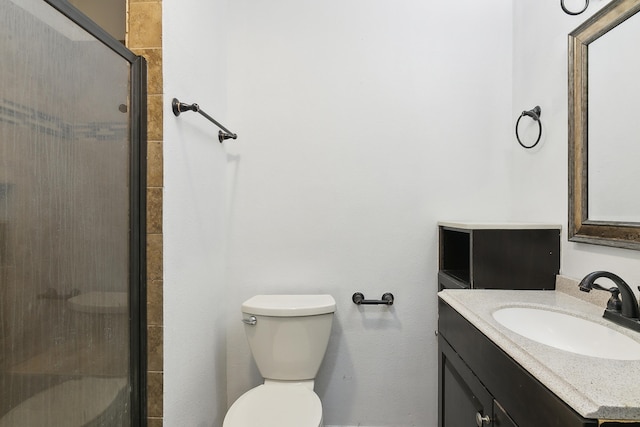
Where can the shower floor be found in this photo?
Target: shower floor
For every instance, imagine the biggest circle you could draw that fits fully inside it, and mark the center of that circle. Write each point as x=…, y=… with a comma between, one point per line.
x=73, y=403
x=52, y=380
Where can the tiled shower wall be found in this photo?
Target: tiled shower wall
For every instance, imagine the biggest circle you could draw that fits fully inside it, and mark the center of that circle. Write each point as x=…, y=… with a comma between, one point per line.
x=144, y=37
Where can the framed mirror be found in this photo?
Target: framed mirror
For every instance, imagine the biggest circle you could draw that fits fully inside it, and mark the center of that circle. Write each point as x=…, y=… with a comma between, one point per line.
x=604, y=127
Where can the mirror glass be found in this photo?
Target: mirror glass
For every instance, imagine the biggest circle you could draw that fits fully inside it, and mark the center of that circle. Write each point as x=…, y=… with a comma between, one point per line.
x=614, y=125
x=604, y=127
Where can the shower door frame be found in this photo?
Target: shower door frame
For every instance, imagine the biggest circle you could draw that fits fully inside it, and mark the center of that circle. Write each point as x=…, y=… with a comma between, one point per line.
x=137, y=208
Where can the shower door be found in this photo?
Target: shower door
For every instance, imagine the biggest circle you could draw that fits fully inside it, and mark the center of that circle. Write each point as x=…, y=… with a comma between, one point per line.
x=72, y=126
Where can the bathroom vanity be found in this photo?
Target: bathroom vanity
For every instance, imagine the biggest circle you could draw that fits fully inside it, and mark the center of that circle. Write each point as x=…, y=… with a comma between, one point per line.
x=492, y=376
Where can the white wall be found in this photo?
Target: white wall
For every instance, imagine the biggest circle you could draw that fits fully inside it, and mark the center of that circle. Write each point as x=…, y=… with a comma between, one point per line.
x=539, y=177
x=361, y=124
x=195, y=292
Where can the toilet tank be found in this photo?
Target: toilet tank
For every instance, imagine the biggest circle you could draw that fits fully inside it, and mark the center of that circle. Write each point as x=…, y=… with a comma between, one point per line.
x=290, y=335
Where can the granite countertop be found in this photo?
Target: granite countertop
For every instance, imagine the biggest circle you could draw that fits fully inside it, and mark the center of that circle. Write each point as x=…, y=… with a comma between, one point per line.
x=595, y=388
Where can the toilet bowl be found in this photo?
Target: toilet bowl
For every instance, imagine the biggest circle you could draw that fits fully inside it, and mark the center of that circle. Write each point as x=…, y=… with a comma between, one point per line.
x=271, y=405
x=288, y=336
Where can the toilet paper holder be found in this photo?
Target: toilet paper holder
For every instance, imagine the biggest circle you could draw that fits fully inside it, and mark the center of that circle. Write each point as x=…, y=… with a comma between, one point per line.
x=359, y=299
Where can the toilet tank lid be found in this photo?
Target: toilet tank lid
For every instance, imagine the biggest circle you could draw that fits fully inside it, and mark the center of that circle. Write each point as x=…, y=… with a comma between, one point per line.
x=289, y=305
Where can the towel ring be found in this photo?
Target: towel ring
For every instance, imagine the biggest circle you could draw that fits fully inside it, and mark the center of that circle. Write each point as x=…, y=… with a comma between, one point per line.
x=568, y=12
x=535, y=115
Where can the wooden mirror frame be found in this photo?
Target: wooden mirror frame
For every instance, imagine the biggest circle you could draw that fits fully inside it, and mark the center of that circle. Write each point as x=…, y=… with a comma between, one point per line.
x=581, y=228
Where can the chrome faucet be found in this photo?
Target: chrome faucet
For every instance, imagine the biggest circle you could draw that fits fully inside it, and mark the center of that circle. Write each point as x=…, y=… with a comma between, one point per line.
x=625, y=313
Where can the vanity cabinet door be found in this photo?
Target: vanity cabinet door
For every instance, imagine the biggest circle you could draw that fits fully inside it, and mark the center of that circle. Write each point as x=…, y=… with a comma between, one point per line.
x=462, y=399
x=500, y=417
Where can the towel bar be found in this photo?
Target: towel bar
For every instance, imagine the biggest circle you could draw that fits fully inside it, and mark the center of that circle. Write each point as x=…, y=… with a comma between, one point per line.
x=180, y=107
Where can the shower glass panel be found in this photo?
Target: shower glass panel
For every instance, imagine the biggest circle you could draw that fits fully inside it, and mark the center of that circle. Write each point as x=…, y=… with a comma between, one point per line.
x=69, y=222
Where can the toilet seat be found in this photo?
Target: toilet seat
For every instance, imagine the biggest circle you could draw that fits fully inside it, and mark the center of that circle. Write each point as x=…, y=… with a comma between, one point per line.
x=276, y=406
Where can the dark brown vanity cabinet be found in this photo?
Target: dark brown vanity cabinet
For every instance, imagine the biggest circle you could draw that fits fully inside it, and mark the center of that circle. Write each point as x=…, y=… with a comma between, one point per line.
x=479, y=384
x=463, y=400
x=498, y=256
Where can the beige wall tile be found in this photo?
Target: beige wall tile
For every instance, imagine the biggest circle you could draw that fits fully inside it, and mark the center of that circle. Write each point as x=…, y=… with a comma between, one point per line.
x=145, y=25
x=154, y=394
x=154, y=303
x=154, y=117
x=154, y=210
x=154, y=256
x=154, y=348
x=154, y=422
x=154, y=164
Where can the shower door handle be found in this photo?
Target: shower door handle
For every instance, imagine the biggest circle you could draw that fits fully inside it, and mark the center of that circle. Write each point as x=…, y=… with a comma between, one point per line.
x=251, y=321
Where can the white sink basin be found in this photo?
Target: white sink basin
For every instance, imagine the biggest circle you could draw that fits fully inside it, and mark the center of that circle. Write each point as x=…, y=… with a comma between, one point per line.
x=569, y=333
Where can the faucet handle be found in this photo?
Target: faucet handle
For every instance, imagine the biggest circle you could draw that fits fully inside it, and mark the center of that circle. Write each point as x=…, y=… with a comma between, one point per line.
x=602, y=288
x=614, y=302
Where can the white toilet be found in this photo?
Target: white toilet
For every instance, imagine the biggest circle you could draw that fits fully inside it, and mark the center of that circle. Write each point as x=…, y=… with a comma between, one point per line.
x=288, y=337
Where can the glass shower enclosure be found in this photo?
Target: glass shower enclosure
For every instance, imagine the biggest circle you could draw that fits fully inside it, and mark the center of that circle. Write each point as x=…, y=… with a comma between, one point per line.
x=72, y=174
